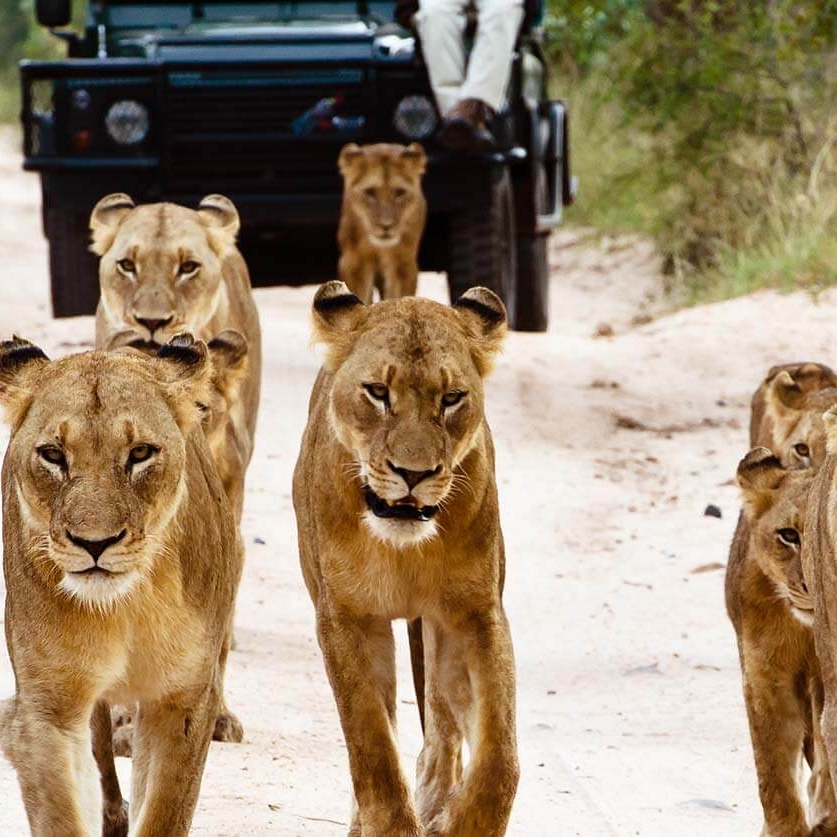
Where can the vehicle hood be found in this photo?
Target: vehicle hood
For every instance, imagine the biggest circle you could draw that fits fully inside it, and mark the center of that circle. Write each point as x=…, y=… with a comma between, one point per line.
x=297, y=41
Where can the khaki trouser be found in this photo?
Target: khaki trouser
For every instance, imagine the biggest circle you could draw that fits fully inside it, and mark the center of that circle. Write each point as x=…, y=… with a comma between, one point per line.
x=441, y=26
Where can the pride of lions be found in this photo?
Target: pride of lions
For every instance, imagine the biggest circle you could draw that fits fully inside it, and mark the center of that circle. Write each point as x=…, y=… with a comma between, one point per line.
x=123, y=486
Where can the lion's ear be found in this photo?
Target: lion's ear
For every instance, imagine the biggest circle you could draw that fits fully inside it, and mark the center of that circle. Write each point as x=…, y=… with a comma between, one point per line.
x=229, y=361
x=759, y=475
x=349, y=155
x=185, y=371
x=414, y=154
x=337, y=315
x=105, y=219
x=786, y=392
x=484, y=316
x=20, y=363
x=219, y=215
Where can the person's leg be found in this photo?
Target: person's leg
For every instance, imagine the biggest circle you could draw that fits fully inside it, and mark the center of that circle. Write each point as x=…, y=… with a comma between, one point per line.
x=441, y=27
x=489, y=66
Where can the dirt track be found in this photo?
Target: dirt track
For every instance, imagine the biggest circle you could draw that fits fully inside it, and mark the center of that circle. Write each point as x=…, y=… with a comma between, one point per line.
x=630, y=714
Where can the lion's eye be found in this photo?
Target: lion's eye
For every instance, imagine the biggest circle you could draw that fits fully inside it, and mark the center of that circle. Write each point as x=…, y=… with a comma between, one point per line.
x=788, y=536
x=53, y=455
x=802, y=449
x=126, y=266
x=378, y=391
x=450, y=399
x=140, y=453
x=188, y=267
x=400, y=194
x=370, y=194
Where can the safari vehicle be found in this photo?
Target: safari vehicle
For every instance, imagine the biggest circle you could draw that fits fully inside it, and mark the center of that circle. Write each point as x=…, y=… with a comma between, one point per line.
x=174, y=99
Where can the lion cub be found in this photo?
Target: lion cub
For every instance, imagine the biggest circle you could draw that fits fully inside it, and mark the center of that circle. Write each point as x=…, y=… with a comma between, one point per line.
x=396, y=506
x=382, y=218
x=772, y=611
x=121, y=563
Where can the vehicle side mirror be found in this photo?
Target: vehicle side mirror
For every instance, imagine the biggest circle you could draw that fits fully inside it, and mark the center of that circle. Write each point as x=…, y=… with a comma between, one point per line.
x=53, y=13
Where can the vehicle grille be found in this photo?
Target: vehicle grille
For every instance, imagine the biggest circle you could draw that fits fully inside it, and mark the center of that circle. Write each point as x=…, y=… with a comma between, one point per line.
x=238, y=130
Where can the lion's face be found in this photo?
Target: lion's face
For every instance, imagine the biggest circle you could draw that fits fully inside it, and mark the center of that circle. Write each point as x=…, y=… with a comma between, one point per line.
x=96, y=460
x=787, y=412
x=383, y=186
x=161, y=265
x=774, y=503
x=407, y=398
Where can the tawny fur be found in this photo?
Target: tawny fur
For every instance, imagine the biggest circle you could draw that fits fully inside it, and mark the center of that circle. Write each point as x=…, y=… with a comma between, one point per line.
x=786, y=412
x=158, y=639
x=819, y=563
x=158, y=239
x=215, y=299
x=382, y=218
x=362, y=572
x=771, y=611
x=782, y=685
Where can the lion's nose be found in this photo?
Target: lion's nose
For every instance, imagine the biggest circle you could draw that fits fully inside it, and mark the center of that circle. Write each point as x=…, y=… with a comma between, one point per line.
x=153, y=324
x=413, y=478
x=95, y=548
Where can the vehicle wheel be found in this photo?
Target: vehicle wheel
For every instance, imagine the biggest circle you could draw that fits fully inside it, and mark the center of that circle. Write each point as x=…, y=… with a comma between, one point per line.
x=532, y=286
x=482, y=244
x=74, y=270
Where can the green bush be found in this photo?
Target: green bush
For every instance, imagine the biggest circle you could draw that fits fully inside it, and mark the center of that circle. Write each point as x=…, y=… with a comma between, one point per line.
x=22, y=37
x=712, y=126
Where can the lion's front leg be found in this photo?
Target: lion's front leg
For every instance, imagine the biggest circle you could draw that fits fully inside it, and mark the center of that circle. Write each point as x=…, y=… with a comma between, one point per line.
x=448, y=699
x=227, y=726
x=400, y=277
x=481, y=804
x=777, y=730
x=55, y=767
x=115, y=823
x=171, y=741
x=360, y=660
x=821, y=801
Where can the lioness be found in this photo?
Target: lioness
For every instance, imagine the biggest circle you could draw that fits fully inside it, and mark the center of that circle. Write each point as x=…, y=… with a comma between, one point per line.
x=396, y=506
x=121, y=564
x=382, y=218
x=786, y=412
x=771, y=610
x=819, y=564
x=165, y=269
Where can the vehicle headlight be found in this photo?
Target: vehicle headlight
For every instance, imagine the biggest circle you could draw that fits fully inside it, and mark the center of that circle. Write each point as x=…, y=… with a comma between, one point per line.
x=127, y=122
x=415, y=117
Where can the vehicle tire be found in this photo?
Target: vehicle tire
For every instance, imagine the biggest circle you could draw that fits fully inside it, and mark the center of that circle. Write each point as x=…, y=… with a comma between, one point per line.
x=482, y=243
x=74, y=270
x=532, y=286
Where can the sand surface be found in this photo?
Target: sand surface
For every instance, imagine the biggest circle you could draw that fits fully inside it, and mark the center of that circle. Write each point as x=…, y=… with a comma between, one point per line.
x=631, y=719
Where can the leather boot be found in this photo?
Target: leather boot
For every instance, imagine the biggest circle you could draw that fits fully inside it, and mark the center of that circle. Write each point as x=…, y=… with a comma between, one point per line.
x=466, y=127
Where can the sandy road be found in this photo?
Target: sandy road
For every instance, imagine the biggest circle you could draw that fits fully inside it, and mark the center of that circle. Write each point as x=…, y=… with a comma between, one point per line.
x=630, y=714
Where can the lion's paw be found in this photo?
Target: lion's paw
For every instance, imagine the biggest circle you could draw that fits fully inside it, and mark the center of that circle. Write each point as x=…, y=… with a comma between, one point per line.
x=228, y=728
x=116, y=823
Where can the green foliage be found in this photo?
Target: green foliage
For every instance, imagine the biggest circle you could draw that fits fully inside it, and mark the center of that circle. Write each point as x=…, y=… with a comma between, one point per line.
x=712, y=126
x=578, y=32
x=22, y=37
